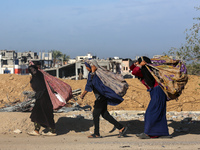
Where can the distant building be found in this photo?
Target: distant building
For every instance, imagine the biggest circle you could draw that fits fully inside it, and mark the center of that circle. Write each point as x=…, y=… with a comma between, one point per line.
x=71, y=61
x=8, y=60
x=17, y=62
x=78, y=70
x=79, y=58
x=74, y=70
x=126, y=63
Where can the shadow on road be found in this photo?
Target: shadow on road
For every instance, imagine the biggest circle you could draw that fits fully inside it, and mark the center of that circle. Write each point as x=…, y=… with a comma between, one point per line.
x=179, y=127
x=67, y=124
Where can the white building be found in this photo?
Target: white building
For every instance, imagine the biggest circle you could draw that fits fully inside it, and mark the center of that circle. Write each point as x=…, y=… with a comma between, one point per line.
x=79, y=58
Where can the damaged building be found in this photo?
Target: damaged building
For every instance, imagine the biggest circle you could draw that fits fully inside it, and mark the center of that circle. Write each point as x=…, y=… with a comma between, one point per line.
x=78, y=70
x=17, y=63
x=12, y=62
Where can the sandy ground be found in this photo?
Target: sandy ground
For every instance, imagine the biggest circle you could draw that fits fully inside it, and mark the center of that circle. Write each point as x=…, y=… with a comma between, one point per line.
x=72, y=135
x=72, y=132
x=80, y=142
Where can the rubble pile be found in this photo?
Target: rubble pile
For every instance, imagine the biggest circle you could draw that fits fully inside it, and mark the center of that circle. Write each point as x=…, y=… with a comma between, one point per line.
x=29, y=100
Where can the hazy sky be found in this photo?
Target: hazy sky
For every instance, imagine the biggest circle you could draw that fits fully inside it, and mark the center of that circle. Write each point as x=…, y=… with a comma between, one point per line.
x=106, y=28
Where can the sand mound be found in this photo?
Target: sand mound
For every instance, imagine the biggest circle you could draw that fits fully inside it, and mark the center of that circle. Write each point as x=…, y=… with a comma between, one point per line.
x=137, y=98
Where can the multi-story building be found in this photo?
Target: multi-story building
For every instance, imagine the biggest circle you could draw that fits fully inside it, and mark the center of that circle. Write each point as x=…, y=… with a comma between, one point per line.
x=17, y=62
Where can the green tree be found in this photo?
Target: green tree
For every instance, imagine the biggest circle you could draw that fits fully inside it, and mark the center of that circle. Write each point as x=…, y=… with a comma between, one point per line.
x=65, y=57
x=190, y=50
x=193, y=68
x=56, y=54
x=59, y=56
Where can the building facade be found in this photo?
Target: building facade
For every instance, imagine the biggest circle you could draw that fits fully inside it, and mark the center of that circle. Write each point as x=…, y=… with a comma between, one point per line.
x=17, y=62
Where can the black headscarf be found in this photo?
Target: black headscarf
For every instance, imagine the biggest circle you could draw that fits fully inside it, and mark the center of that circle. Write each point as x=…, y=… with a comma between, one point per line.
x=33, y=66
x=38, y=74
x=37, y=81
x=148, y=78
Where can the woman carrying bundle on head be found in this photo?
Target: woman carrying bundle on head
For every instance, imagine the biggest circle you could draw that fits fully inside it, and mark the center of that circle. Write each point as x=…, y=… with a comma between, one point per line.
x=42, y=113
x=155, y=116
x=104, y=95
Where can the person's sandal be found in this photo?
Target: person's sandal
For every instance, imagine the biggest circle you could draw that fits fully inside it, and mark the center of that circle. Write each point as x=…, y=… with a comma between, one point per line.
x=48, y=133
x=123, y=132
x=94, y=136
x=33, y=133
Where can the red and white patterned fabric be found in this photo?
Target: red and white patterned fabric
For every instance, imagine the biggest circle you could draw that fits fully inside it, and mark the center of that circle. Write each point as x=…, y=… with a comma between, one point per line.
x=58, y=86
x=53, y=85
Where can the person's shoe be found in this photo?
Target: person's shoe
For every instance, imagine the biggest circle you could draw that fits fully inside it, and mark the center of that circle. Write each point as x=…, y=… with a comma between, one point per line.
x=49, y=134
x=143, y=136
x=33, y=133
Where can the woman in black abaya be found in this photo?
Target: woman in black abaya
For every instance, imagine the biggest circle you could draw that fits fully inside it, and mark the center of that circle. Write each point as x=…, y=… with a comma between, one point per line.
x=42, y=113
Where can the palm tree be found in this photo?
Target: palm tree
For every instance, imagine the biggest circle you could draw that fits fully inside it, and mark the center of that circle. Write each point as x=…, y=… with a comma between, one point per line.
x=65, y=57
x=56, y=54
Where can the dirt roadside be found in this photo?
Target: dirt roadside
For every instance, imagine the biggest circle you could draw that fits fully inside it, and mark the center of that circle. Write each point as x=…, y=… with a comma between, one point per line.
x=73, y=131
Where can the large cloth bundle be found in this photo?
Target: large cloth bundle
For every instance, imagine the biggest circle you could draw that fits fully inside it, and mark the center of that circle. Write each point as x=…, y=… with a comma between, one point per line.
x=112, y=80
x=60, y=92
x=170, y=74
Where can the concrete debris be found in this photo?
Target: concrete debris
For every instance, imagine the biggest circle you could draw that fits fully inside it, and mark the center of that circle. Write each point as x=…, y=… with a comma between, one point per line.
x=74, y=108
x=19, y=107
x=17, y=131
x=29, y=101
